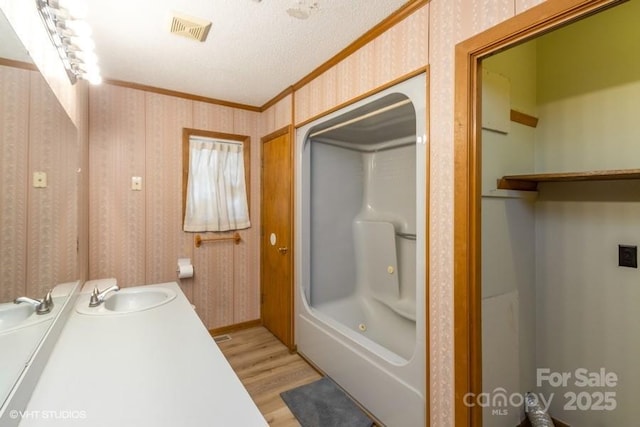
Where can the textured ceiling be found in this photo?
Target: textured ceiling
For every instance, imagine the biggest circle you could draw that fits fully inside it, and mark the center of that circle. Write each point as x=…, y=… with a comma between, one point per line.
x=254, y=49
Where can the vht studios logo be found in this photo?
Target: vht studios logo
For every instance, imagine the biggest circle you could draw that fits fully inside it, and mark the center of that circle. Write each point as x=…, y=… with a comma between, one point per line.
x=598, y=400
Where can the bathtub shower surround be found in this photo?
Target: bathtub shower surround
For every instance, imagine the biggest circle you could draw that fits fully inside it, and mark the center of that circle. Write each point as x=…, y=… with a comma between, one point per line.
x=360, y=295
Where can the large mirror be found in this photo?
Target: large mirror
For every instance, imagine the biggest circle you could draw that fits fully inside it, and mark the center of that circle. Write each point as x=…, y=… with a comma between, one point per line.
x=38, y=207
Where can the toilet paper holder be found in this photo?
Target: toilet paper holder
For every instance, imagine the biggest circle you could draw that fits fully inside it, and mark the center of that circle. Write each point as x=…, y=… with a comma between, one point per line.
x=184, y=269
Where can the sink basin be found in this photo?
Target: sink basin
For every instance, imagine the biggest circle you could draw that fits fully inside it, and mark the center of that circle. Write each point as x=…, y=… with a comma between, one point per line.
x=137, y=300
x=129, y=300
x=17, y=316
x=12, y=315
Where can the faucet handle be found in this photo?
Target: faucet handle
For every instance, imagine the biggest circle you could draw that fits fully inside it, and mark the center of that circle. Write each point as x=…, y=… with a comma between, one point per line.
x=48, y=300
x=45, y=304
x=94, y=301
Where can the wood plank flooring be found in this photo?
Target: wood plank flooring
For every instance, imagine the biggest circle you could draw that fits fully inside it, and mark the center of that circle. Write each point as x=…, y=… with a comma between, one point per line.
x=267, y=368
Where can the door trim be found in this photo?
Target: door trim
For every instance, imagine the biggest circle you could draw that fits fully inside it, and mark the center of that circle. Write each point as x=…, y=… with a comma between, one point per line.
x=540, y=19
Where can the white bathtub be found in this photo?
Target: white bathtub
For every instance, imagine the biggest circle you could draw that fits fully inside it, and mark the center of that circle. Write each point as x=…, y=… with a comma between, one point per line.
x=360, y=257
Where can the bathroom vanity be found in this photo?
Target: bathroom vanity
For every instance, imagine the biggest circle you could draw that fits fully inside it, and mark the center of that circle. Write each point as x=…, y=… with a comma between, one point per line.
x=140, y=358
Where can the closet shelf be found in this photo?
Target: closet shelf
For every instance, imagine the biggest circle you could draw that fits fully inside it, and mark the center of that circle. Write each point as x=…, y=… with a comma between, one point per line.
x=530, y=182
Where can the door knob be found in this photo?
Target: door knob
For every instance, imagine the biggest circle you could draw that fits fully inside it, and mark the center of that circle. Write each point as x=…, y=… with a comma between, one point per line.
x=283, y=250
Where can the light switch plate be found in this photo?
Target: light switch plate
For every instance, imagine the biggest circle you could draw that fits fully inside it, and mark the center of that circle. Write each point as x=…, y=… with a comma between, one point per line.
x=136, y=183
x=40, y=179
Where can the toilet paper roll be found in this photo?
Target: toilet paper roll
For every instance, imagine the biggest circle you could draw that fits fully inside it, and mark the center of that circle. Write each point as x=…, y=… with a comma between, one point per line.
x=185, y=268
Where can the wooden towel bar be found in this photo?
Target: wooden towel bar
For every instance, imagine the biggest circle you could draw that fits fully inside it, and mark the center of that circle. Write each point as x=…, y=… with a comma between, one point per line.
x=199, y=240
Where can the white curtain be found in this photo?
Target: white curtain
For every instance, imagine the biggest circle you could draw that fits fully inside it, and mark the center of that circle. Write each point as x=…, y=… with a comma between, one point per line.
x=216, y=190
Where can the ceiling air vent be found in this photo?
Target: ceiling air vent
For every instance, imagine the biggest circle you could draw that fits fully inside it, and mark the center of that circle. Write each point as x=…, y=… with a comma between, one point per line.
x=190, y=27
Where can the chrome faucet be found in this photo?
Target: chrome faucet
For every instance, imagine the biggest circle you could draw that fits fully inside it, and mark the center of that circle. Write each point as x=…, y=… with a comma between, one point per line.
x=43, y=306
x=97, y=297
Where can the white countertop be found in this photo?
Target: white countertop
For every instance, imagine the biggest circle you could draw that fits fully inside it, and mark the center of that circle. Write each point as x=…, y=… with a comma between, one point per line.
x=157, y=367
x=17, y=347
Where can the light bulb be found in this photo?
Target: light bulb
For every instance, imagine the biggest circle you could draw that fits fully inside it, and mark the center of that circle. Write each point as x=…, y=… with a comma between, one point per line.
x=76, y=8
x=94, y=79
x=82, y=43
x=89, y=69
x=86, y=56
x=78, y=28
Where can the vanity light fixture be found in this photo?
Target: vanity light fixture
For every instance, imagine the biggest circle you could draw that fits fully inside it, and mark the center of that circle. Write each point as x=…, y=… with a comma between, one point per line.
x=303, y=9
x=71, y=36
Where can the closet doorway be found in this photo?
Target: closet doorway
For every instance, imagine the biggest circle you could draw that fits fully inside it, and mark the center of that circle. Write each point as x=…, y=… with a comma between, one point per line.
x=472, y=183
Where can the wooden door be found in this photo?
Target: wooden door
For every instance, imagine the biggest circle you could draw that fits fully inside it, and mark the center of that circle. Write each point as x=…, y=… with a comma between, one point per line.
x=276, y=236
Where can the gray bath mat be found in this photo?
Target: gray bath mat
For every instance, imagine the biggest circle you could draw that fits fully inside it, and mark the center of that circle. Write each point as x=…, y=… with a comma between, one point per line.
x=323, y=404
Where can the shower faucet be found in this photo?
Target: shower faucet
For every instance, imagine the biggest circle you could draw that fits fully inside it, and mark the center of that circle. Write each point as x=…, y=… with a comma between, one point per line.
x=43, y=306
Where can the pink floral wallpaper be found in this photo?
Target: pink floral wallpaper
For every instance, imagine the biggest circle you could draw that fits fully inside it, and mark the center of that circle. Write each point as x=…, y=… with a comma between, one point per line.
x=39, y=225
x=136, y=236
x=14, y=143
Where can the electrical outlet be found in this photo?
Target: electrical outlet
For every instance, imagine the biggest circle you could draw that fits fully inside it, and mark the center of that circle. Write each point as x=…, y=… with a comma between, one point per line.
x=628, y=256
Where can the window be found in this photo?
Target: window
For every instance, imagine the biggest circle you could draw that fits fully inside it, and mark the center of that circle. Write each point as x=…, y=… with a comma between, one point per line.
x=215, y=180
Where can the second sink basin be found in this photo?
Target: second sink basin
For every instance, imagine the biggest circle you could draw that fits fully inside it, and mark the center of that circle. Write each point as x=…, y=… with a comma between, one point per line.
x=129, y=300
x=17, y=316
x=14, y=314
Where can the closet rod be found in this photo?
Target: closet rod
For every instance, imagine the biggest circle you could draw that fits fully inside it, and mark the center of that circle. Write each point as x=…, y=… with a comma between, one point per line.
x=364, y=116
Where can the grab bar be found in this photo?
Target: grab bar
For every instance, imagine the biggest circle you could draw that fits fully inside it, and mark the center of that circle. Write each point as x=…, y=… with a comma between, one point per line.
x=408, y=236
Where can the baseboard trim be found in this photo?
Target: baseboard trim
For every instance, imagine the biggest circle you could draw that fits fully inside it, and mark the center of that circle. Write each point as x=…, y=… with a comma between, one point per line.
x=235, y=327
